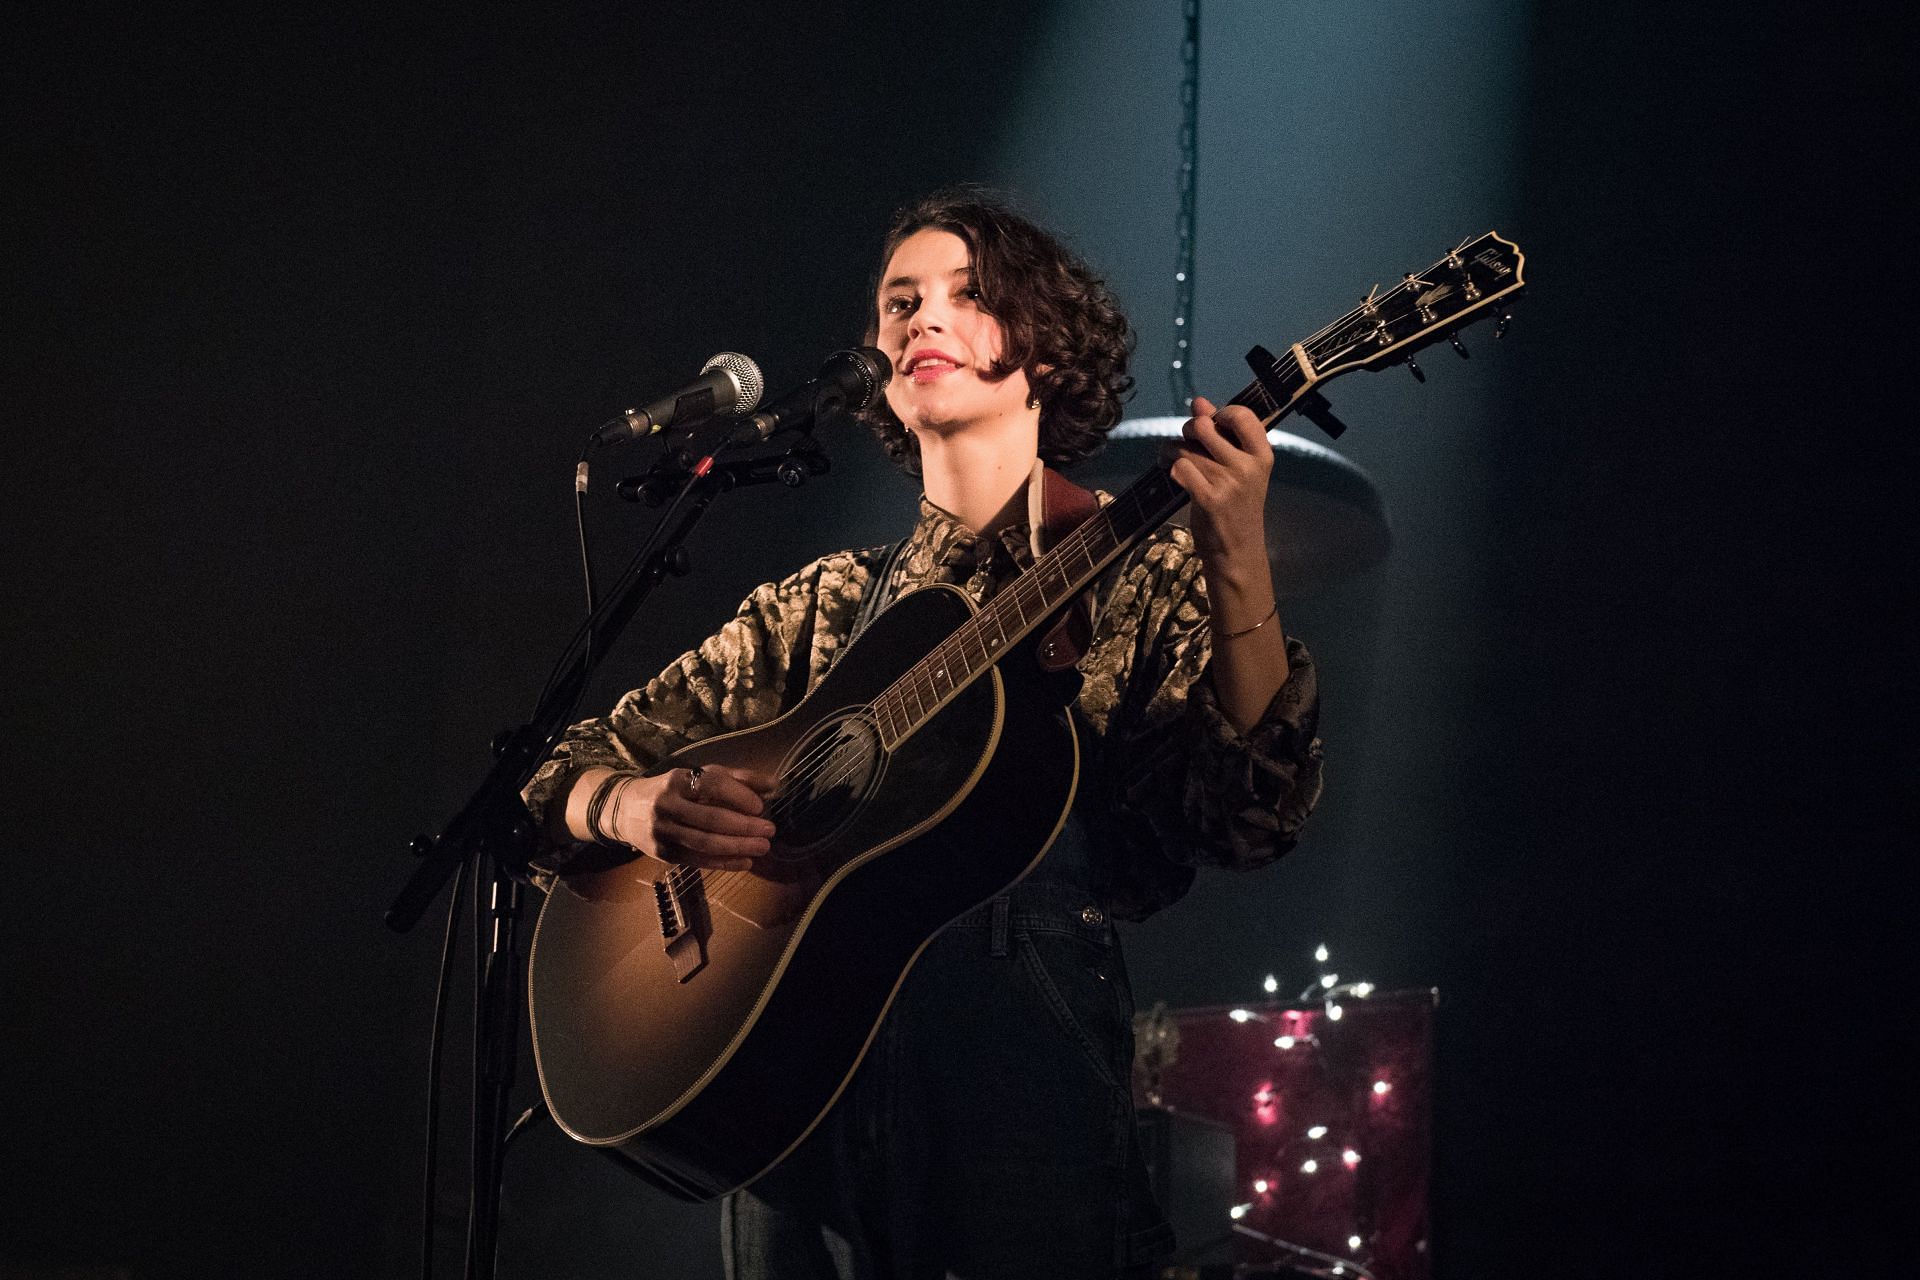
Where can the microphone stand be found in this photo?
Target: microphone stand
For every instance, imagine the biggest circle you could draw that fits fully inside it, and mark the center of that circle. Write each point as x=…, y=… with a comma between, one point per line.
x=494, y=827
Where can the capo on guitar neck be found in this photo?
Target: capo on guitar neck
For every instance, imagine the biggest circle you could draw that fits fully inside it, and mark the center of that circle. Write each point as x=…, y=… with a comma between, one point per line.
x=1319, y=411
x=1316, y=408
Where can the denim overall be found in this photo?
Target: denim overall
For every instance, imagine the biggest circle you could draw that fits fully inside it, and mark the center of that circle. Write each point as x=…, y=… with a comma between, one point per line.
x=989, y=1133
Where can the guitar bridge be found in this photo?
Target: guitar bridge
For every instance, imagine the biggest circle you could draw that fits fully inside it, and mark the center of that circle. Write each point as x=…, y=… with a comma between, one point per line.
x=680, y=898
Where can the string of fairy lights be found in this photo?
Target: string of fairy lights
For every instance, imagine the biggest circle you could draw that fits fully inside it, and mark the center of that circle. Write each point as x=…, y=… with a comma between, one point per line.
x=1316, y=1148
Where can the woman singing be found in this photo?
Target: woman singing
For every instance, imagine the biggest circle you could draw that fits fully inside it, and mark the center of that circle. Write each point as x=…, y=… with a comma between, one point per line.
x=989, y=1131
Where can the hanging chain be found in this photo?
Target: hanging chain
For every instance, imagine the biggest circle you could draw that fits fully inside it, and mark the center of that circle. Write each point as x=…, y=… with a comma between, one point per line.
x=1180, y=375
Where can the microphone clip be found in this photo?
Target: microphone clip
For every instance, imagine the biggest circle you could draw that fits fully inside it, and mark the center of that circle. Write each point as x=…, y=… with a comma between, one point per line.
x=790, y=468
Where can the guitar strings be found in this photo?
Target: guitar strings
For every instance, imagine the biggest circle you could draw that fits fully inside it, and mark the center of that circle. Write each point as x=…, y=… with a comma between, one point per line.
x=1360, y=313
x=787, y=803
x=818, y=754
x=818, y=768
x=819, y=759
x=814, y=761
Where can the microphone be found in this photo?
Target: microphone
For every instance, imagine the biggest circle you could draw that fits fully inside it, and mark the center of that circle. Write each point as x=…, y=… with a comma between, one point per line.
x=848, y=382
x=729, y=383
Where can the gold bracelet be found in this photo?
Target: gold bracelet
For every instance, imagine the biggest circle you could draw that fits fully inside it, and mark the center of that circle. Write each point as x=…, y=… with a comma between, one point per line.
x=1247, y=631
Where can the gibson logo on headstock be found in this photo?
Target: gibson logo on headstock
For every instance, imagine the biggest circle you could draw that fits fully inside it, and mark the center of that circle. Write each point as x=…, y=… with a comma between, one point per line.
x=1490, y=258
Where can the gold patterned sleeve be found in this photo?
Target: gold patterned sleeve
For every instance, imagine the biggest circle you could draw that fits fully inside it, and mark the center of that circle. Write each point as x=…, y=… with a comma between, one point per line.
x=736, y=678
x=1180, y=786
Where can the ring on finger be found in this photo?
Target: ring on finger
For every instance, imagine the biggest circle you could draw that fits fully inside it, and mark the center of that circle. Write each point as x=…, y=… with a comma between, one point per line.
x=693, y=782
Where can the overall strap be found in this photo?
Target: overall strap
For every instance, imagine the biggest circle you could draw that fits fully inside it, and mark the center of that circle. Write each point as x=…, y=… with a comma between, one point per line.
x=879, y=591
x=800, y=662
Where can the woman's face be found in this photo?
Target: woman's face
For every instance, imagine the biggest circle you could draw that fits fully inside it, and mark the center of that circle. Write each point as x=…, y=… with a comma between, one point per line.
x=942, y=343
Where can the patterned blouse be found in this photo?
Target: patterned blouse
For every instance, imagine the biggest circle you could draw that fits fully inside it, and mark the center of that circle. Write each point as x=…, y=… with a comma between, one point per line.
x=1170, y=783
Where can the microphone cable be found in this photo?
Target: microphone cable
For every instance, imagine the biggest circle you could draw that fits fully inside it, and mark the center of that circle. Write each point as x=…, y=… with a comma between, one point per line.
x=436, y=1041
x=580, y=531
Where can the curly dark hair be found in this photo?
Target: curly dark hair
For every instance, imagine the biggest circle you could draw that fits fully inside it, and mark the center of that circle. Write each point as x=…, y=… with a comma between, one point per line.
x=1061, y=324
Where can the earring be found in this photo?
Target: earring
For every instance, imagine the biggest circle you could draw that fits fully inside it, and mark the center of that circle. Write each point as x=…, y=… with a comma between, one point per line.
x=1033, y=401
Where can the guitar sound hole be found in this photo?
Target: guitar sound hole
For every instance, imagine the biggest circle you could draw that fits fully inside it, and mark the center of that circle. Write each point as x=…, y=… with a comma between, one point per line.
x=824, y=782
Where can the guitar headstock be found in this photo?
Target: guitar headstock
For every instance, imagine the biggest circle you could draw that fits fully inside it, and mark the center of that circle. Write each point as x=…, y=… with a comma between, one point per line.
x=1479, y=278
x=1475, y=279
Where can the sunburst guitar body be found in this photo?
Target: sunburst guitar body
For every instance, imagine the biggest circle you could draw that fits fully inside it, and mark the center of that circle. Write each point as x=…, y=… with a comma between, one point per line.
x=703, y=1022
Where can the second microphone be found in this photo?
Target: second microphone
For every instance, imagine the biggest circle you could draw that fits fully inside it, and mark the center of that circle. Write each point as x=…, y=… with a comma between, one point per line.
x=730, y=383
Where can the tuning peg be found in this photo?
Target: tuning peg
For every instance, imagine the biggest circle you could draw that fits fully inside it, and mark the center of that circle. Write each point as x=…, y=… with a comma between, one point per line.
x=1462, y=352
x=1500, y=328
x=1414, y=366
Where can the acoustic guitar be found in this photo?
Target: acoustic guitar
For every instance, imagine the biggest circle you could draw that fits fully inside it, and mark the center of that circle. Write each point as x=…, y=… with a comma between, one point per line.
x=700, y=1023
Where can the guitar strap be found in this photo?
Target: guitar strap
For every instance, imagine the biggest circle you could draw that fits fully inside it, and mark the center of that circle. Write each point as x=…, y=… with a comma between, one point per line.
x=1056, y=506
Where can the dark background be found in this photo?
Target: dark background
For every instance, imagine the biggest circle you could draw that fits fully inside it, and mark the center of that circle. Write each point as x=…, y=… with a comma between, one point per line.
x=309, y=313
